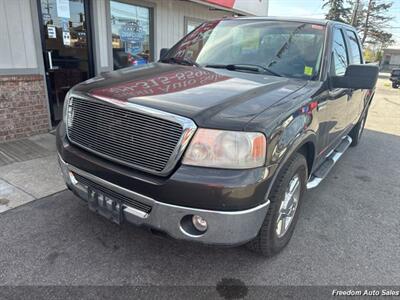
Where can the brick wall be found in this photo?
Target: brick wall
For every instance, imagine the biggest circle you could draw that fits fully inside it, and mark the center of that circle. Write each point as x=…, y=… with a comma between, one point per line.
x=23, y=109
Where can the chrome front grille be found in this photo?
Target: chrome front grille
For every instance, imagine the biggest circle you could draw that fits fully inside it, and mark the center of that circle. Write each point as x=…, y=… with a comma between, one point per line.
x=129, y=134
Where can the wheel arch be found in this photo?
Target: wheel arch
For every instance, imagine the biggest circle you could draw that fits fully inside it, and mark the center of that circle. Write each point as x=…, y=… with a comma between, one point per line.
x=308, y=150
x=305, y=144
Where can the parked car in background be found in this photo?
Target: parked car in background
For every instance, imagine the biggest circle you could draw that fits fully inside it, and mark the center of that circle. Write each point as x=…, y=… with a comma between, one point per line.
x=219, y=140
x=395, y=78
x=123, y=59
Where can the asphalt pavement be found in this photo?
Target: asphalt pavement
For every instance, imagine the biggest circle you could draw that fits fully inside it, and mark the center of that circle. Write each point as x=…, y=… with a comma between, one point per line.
x=348, y=232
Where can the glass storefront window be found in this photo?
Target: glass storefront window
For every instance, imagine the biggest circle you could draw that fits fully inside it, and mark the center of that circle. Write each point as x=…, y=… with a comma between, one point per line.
x=131, y=34
x=191, y=24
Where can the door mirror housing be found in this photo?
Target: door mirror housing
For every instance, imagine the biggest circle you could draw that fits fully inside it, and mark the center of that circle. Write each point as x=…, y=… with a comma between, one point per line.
x=163, y=52
x=357, y=77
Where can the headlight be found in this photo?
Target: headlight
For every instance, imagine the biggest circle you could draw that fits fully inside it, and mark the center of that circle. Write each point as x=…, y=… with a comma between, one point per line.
x=226, y=149
x=65, y=107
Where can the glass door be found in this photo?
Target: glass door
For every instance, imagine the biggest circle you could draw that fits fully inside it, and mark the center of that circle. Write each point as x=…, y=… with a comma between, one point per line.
x=66, y=47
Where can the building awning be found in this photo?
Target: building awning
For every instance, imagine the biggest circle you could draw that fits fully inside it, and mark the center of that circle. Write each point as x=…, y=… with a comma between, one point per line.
x=245, y=7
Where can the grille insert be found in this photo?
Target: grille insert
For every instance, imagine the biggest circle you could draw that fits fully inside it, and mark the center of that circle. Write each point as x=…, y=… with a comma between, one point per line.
x=114, y=195
x=132, y=138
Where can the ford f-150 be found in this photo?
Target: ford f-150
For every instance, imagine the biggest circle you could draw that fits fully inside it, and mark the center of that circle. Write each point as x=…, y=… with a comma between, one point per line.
x=218, y=141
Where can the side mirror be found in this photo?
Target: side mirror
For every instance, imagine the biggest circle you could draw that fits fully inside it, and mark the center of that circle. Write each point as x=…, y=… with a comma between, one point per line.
x=163, y=52
x=357, y=77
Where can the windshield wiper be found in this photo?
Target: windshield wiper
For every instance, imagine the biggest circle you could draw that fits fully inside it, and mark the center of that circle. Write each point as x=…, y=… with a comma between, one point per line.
x=180, y=61
x=285, y=45
x=244, y=67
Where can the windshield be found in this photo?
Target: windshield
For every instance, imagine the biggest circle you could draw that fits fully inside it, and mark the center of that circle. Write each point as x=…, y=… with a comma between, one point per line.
x=396, y=72
x=290, y=49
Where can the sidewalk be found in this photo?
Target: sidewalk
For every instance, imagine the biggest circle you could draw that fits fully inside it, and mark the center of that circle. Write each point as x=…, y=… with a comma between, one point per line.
x=384, y=75
x=28, y=170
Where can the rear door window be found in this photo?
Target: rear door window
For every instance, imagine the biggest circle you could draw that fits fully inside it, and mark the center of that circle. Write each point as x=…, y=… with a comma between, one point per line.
x=355, y=54
x=340, y=59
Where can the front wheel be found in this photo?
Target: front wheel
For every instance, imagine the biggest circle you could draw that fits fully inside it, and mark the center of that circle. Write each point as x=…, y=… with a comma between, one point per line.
x=358, y=130
x=282, y=215
x=395, y=85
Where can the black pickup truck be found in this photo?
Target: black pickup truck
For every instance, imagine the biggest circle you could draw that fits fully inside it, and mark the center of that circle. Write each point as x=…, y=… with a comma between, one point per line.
x=395, y=78
x=218, y=141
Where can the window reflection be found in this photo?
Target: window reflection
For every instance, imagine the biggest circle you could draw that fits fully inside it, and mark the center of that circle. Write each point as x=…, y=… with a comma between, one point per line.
x=130, y=27
x=62, y=32
x=340, y=59
x=355, y=48
x=191, y=24
x=288, y=48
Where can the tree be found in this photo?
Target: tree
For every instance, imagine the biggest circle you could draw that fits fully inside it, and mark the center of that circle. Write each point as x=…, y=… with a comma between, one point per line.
x=337, y=10
x=369, y=17
x=375, y=17
x=369, y=55
x=379, y=56
x=356, y=6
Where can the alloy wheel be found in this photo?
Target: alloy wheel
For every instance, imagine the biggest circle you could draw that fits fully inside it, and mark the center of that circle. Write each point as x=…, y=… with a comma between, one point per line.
x=288, y=206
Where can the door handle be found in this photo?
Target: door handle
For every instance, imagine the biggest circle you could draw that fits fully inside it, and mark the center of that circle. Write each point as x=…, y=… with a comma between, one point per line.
x=50, y=58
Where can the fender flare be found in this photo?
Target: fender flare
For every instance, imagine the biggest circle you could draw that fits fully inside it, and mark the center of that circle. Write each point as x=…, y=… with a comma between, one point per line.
x=307, y=137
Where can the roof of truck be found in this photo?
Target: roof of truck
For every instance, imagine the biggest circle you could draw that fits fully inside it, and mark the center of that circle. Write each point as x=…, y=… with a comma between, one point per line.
x=290, y=19
x=323, y=22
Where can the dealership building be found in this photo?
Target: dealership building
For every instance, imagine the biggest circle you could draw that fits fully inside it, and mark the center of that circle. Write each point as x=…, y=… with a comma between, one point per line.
x=47, y=46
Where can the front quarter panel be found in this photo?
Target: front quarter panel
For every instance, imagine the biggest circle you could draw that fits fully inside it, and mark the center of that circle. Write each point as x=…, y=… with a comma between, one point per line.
x=288, y=125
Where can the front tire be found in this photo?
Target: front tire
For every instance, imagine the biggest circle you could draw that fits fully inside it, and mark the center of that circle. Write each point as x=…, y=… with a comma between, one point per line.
x=395, y=85
x=282, y=215
x=358, y=130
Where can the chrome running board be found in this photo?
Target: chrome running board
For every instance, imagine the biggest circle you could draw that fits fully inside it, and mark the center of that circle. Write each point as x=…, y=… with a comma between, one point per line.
x=329, y=162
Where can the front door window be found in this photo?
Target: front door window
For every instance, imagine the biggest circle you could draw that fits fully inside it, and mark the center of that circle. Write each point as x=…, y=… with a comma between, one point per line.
x=131, y=34
x=65, y=45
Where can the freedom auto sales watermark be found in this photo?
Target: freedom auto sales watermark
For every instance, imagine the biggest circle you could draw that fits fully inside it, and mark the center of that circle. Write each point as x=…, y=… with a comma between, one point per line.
x=366, y=292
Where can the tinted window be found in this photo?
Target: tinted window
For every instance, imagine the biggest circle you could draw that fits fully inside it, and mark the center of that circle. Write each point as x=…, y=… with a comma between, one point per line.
x=289, y=48
x=339, y=54
x=355, y=48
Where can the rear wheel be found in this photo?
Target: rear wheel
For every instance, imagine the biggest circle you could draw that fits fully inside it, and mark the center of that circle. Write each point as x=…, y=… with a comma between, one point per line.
x=282, y=215
x=395, y=85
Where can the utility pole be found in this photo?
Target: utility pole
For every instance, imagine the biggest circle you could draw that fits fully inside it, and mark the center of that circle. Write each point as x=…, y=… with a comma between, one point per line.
x=355, y=13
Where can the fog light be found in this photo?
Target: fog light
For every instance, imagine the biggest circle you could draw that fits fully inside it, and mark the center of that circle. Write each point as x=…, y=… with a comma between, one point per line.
x=199, y=223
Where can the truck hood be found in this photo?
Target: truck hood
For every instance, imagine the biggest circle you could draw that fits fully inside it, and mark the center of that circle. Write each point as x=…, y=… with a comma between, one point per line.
x=212, y=98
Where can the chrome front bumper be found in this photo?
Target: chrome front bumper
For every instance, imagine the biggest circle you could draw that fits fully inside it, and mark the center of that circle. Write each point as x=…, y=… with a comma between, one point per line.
x=224, y=227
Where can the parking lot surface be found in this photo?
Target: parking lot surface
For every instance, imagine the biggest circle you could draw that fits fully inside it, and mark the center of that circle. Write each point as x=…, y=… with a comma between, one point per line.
x=348, y=232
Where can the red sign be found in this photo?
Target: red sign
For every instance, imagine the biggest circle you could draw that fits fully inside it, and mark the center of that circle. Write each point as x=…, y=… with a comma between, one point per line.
x=252, y=7
x=224, y=3
x=164, y=83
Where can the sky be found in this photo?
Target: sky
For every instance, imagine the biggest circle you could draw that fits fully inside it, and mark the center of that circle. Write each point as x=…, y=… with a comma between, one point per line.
x=312, y=9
